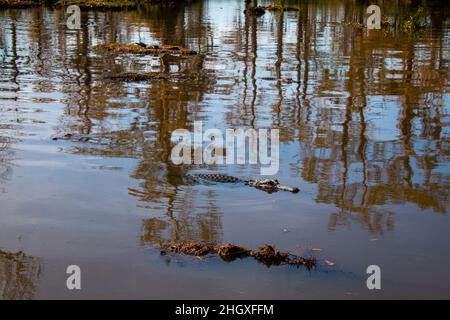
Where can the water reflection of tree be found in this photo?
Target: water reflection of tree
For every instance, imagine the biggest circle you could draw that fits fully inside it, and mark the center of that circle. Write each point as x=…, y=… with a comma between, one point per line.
x=359, y=174
x=356, y=173
x=353, y=170
x=11, y=64
x=163, y=107
x=185, y=221
x=19, y=274
x=6, y=154
x=161, y=181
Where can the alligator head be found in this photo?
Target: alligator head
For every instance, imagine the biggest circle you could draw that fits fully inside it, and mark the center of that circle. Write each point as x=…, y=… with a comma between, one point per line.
x=270, y=185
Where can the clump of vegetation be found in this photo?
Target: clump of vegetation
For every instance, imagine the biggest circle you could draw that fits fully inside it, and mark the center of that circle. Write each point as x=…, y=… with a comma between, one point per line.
x=141, y=48
x=255, y=11
x=385, y=21
x=15, y=257
x=414, y=22
x=278, y=6
x=134, y=76
x=87, y=4
x=99, y=4
x=353, y=24
x=20, y=3
x=260, y=10
x=266, y=254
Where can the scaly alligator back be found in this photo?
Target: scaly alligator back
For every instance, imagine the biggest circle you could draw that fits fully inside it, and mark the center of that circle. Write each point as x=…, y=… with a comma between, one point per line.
x=216, y=177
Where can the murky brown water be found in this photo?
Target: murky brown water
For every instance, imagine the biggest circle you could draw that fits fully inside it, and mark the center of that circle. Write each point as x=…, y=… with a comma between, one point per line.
x=364, y=129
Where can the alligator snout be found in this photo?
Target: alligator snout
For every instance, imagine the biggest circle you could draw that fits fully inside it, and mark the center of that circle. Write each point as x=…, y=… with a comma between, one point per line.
x=287, y=188
x=271, y=185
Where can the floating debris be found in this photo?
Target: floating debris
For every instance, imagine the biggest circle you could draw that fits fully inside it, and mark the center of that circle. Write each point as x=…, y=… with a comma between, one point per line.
x=329, y=263
x=313, y=249
x=354, y=24
x=269, y=256
x=266, y=254
x=272, y=7
x=132, y=76
x=261, y=10
x=141, y=48
x=230, y=252
x=20, y=4
x=255, y=11
x=193, y=249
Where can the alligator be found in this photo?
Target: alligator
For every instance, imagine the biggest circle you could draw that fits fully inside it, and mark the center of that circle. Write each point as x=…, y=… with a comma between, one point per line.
x=73, y=137
x=83, y=138
x=266, y=185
